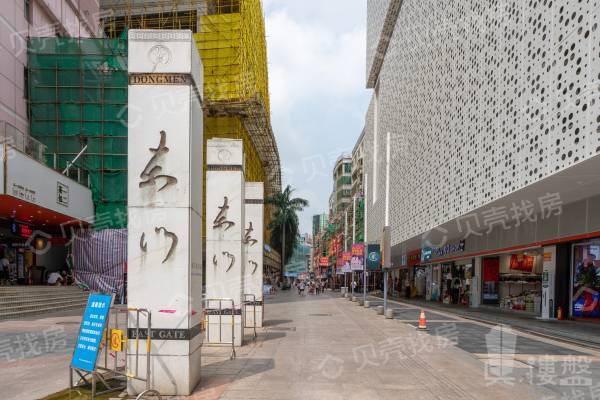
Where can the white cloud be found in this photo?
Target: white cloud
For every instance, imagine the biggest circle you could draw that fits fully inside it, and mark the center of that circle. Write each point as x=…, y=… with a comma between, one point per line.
x=316, y=52
x=306, y=61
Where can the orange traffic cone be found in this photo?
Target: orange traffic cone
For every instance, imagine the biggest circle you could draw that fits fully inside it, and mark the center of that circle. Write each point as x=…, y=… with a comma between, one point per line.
x=422, y=321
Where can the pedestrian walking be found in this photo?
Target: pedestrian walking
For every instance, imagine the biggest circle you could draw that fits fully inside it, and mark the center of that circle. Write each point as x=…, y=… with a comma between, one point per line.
x=301, y=288
x=4, y=268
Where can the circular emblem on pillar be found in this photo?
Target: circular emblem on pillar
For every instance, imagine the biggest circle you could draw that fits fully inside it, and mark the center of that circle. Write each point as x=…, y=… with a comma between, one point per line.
x=224, y=155
x=158, y=55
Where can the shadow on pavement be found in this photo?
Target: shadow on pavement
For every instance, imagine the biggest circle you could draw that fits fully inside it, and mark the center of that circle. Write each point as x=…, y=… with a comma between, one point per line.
x=274, y=322
x=270, y=335
x=224, y=372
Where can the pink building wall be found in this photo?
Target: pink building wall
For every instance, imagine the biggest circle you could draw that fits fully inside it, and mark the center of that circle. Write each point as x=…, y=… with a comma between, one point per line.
x=74, y=18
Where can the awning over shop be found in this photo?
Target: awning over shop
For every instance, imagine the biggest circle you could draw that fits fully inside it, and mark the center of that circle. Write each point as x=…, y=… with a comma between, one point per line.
x=32, y=193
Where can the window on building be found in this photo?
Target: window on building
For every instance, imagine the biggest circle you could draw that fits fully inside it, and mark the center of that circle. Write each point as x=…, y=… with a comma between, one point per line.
x=348, y=168
x=223, y=7
x=27, y=10
x=26, y=91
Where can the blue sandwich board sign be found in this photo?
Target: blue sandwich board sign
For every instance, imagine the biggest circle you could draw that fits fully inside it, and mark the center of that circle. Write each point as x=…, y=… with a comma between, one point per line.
x=91, y=332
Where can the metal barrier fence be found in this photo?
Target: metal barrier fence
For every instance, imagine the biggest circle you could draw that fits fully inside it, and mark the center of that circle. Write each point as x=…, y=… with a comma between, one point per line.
x=113, y=374
x=209, y=309
x=246, y=304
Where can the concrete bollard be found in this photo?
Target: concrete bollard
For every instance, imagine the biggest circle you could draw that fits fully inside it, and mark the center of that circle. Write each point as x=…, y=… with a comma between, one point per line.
x=389, y=313
x=367, y=304
x=349, y=297
x=354, y=298
x=360, y=302
x=379, y=310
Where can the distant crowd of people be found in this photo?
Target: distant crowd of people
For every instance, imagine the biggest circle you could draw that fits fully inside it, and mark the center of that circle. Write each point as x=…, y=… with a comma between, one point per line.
x=311, y=286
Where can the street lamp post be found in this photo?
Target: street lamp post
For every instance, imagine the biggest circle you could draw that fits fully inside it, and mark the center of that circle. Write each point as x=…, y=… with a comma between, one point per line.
x=386, y=241
x=365, y=240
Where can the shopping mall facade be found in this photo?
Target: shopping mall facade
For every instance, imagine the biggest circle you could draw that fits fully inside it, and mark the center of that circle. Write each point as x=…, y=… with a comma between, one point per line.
x=482, y=143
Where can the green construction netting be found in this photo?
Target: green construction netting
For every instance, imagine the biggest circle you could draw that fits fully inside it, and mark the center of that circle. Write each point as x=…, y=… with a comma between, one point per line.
x=77, y=97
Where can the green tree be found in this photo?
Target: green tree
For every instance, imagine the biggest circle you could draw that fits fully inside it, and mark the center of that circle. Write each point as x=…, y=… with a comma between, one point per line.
x=284, y=225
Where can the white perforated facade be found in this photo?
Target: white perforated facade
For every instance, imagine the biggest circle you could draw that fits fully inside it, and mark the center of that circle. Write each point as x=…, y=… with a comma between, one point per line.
x=482, y=98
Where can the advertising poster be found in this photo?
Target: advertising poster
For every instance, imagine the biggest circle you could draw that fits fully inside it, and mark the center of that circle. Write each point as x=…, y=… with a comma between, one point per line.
x=491, y=280
x=521, y=262
x=357, y=261
x=346, y=259
x=373, y=257
x=586, y=281
x=339, y=266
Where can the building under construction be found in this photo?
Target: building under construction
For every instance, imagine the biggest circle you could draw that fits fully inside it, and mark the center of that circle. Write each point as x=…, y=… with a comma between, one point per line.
x=230, y=35
x=78, y=92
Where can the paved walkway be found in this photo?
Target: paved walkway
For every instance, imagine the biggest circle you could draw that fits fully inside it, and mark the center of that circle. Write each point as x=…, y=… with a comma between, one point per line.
x=326, y=347
x=35, y=354
x=584, y=333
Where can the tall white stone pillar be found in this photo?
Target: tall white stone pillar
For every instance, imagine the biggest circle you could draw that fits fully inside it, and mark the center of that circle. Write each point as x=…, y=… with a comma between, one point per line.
x=164, y=207
x=224, y=235
x=254, y=248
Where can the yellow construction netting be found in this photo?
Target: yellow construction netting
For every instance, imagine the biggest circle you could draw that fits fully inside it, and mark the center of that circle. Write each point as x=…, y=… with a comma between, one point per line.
x=234, y=54
x=230, y=36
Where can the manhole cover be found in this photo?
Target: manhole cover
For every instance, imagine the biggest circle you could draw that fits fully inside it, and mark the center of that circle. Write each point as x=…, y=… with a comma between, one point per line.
x=319, y=315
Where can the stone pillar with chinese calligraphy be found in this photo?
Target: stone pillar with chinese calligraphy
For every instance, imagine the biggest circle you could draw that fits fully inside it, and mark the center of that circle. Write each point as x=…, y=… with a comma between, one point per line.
x=164, y=273
x=224, y=241
x=253, y=246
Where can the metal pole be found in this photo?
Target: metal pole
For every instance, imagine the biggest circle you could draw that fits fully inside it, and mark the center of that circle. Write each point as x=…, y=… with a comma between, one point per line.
x=385, y=288
x=148, y=349
x=387, y=215
x=365, y=241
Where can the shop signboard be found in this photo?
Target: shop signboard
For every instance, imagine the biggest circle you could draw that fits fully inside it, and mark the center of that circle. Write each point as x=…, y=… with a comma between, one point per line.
x=339, y=266
x=358, y=252
x=449, y=248
x=426, y=254
x=91, y=332
x=586, y=280
x=23, y=230
x=413, y=258
x=324, y=261
x=46, y=188
x=373, y=257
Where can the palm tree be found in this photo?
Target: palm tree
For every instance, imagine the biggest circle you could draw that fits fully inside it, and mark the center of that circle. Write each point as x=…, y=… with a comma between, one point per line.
x=284, y=225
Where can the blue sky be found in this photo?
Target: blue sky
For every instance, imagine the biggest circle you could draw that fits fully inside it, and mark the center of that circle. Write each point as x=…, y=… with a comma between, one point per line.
x=316, y=55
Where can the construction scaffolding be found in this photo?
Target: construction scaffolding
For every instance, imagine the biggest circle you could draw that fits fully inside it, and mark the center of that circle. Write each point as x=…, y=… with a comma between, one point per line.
x=230, y=36
x=77, y=92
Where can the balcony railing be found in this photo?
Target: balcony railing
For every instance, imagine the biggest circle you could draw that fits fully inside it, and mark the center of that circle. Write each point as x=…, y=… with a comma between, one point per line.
x=22, y=142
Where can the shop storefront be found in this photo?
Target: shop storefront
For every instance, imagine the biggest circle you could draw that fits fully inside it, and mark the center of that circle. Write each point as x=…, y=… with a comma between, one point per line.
x=513, y=281
x=585, y=280
x=455, y=282
x=40, y=209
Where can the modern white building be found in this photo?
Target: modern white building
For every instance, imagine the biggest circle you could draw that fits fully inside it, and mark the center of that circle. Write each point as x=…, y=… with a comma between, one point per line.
x=491, y=115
